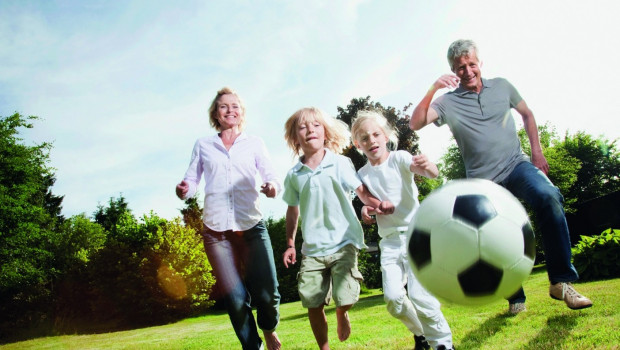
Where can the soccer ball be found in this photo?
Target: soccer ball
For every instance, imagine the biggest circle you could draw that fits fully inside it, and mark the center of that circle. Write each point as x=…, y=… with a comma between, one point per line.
x=471, y=242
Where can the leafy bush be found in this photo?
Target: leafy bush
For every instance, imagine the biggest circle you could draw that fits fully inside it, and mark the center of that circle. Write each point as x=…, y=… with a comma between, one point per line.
x=154, y=271
x=369, y=263
x=598, y=257
x=287, y=277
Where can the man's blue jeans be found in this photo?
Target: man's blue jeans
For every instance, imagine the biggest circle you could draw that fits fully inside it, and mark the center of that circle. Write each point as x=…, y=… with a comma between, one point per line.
x=528, y=183
x=244, y=269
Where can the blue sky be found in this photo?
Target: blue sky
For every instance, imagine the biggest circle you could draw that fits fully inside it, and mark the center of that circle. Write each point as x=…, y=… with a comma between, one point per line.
x=123, y=87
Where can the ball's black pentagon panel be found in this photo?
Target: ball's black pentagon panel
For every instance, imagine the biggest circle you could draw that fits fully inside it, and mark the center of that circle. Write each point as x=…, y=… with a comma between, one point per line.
x=480, y=279
x=473, y=209
x=420, y=248
x=529, y=241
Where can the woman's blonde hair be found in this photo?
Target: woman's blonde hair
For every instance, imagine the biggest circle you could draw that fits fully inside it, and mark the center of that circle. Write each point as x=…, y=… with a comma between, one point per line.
x=336, y=131
x=213, y=108
x=372, y=115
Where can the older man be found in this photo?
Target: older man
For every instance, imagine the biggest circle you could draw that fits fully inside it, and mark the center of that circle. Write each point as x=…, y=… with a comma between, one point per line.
x=478, y=112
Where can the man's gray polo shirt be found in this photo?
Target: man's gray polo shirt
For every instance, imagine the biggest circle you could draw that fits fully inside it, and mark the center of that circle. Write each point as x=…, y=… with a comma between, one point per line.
x=483, y=127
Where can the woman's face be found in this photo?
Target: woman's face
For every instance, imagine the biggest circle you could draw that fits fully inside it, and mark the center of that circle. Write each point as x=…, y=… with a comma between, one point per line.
x=229, y=112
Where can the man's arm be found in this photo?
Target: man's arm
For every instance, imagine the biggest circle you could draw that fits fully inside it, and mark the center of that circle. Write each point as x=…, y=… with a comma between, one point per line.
x=529, y=123
x=423, y=114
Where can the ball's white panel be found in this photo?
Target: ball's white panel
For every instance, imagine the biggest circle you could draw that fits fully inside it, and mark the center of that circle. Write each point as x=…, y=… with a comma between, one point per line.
x=440, y=282
x=436, y=210
x=454, y=246
x=501, y=242
x=514, y=277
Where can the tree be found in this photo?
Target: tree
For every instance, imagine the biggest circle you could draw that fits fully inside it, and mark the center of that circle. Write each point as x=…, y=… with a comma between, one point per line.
x=109, y=217
x=177, y=271
x=599, y=173
x=452, y=165
x=192, y=214
x=407, y=140
x=80, y=240
x=29, y=214
x=563, y=167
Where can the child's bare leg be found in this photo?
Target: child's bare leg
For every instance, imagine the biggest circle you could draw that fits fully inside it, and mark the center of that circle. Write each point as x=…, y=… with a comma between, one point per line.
x=318, y=322
x=272, y=341
x=344, y=326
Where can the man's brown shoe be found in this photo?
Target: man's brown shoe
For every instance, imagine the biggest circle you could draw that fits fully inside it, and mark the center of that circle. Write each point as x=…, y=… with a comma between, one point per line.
x=515, y=308
x=565, y=291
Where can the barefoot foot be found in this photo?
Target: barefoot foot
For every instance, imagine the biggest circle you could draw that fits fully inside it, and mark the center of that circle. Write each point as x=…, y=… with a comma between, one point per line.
x=344, y=326
x=272, y=341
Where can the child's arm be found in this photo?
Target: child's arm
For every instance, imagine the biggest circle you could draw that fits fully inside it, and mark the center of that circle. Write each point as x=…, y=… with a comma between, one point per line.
x=366, y=215
x=290, y=255
x=381, y=207
x=422, y=166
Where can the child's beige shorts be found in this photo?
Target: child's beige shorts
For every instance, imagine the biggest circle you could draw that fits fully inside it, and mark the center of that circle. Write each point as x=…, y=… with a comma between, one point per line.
x=336, y=275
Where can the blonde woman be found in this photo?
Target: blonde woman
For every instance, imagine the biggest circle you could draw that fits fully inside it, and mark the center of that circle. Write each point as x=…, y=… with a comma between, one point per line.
x=235, y=237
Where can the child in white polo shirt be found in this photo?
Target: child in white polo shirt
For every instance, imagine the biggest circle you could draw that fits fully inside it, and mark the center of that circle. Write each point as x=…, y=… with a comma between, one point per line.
x=318, y=187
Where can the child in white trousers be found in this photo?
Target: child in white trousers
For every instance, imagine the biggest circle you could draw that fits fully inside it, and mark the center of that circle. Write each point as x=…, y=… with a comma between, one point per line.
x=389, y=177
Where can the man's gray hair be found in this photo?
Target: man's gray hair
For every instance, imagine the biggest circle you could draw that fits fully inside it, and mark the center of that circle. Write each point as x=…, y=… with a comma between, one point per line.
x=459, y=48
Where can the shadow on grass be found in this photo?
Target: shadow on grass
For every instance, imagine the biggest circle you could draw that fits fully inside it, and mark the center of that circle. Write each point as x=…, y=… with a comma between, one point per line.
x=364, y=302
x=557, y=330
x=489, y=328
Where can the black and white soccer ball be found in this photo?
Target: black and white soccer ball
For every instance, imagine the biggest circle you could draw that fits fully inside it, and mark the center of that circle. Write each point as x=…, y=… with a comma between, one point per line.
x=471, y=242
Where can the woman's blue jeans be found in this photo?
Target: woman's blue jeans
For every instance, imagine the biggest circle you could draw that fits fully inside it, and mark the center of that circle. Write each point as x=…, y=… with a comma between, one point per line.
x=245, y=272
x=531, y=185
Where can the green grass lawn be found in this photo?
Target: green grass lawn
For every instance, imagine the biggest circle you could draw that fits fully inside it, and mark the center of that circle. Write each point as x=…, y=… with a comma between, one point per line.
x=547, y=324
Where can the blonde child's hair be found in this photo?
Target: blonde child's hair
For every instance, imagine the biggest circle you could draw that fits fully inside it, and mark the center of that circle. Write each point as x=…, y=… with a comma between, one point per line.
x=336, y=132
x=213, y=108
x=372, y=115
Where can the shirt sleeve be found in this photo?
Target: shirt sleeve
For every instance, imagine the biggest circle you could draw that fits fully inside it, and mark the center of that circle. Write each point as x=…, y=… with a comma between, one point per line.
x=194, y=171
x=265, y=166
x=348, y=176
x=404, y=160
x=439, y=106
x=515, y=97
x=291, y=194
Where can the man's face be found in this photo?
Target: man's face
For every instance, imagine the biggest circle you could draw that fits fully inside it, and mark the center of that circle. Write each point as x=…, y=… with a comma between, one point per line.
x=467, y=68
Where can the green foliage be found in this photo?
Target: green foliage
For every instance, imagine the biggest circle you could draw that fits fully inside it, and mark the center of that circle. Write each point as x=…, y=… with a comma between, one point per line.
x=177, y=268
x=563, y=172
x=287, y=277
x=152, y=271
x=598, y=257
x=452, y=166
x=369, y=262
x=192, y=213
x=80, y=240
x=563, y=168
x=599, y=173
x=427, y=185
x=29, y=213
x=79, y=275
